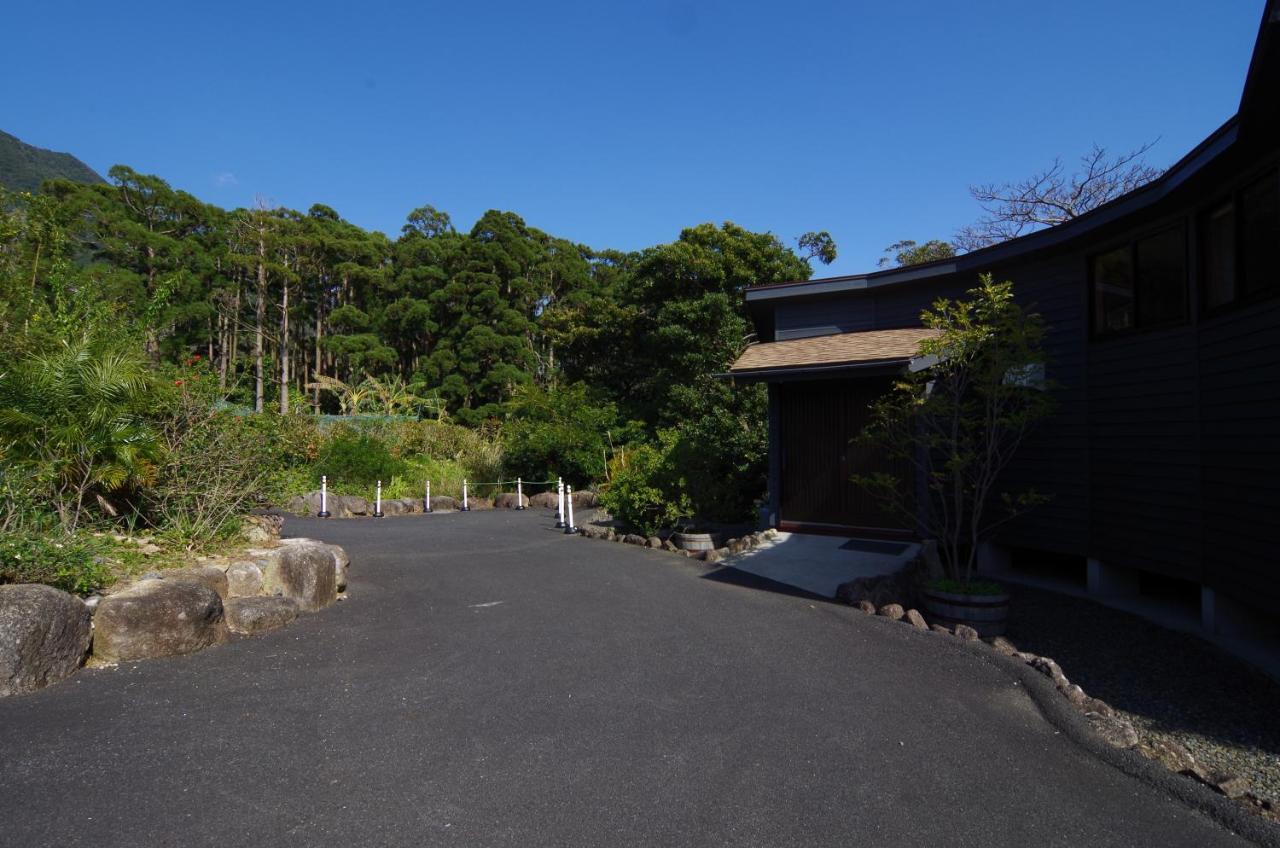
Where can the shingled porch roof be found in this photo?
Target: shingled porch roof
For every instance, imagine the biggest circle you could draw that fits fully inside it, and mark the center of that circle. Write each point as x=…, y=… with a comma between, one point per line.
x=870, y=347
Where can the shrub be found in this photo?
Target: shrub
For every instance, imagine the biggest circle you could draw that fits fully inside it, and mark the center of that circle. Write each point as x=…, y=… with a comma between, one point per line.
x=645, y=490
x=558, y=433
x=355, y=460
x=69, y=421
x=70, y=563
x=214, y=467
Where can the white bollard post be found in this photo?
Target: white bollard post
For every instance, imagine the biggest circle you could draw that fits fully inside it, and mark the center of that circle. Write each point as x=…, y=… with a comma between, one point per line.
x=559, y=503
x=426, y=499
x=519, y=493
x=377, y=501
x=569, y=529
x=324, y=497
x=465, y=508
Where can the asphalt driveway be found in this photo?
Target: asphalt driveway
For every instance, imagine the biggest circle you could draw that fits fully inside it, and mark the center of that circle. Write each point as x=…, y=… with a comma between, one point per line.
x=493, y=682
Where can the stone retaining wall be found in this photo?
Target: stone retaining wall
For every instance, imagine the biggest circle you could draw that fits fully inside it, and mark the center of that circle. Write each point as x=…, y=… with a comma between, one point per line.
x=46, y=634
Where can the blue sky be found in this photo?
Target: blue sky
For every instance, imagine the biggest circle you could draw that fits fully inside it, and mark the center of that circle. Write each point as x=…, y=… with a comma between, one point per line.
x=616, y=125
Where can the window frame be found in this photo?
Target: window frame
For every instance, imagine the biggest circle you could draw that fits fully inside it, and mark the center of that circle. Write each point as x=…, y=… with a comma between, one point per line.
x=1239, y=300
x=1130, y=245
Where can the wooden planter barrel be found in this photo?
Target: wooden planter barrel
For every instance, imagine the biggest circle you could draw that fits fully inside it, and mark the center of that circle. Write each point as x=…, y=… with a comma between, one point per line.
x=986, y=614
x=694, y=541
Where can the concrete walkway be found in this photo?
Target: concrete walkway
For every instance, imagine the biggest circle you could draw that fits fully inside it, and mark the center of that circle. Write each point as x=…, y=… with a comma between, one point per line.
x=819, y=564
x=491, y=681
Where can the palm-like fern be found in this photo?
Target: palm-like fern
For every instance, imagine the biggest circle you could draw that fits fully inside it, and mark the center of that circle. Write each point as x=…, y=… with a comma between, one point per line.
x=68, y=419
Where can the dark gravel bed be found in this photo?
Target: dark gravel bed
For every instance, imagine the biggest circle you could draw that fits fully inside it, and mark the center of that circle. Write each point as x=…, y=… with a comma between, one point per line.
x=1170, y=685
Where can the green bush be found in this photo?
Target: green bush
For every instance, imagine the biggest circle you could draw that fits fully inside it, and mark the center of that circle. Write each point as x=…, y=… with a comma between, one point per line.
x=645, y=491
x=70, y=563
x=354, y=461
x=559, y=433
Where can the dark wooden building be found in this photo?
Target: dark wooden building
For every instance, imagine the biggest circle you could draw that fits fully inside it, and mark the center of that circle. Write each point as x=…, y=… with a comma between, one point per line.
x=1164, y=312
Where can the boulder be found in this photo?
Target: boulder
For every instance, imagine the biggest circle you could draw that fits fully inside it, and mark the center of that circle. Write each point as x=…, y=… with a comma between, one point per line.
x=1002, y=645
x=262, y=529
x=206, y=575
x=157, y=618
x=304, y=572
x=44, y=636
x=585, y=500
x=298, y=505
x=1115, y=730
x=394, y=507
x=545, y=500
x=411, y=506
x=668, y=545
x=867, y=607
x=244, y=579
x=633, y=539
x=345, y=506
x=479, y=503
x=258, y=615
x=939, y=628
x=341, y=562
x=443, y=503
x=734, y=546
x=915, y=619
x=711, y=556
x=966, y=632
x=1169, y=754
x=1049, y=669
x=1074, y=694
x=653, y=542
x=508, y=500
x=893, y=612
x=771, y=534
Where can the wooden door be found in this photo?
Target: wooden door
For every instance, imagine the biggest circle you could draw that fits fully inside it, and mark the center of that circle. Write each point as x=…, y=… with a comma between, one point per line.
x=818, y=421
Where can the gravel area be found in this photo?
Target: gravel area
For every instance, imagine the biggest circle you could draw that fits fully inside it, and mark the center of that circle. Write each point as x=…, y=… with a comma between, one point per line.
x=1170, y=685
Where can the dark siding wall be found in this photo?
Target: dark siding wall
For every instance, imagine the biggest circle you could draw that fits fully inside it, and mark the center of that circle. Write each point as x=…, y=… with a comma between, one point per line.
x=1055, y=458
x=1239, y=365
x=871, y=309
x=1145, y=462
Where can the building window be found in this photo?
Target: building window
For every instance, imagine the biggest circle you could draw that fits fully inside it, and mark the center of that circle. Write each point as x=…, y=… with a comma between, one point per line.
x=1142, y=284
x=1219, y=229
x=1113, y=291
x=1241, y=245
x=1260, y=236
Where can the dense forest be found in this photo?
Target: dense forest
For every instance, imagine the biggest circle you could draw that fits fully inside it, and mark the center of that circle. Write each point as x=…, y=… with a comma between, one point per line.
x=591, y=364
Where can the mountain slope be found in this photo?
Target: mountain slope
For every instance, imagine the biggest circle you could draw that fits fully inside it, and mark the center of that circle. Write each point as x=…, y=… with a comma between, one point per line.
x=24, y=167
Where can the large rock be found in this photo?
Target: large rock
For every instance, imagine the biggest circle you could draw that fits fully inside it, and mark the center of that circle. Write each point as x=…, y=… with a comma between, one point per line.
x=262, y=529
x=443, y=503
x=479, y=503
x=304, y=572
x=394, y=507
x=634, y=539
x=44, y=636
x=258, y=615
x=157, y=618
x=206, y=575
x=915, y=619
x=894, y=612
x=585, y=500
x=508, y=500
x=244, y=580
x=546, y=500
x=345, y=506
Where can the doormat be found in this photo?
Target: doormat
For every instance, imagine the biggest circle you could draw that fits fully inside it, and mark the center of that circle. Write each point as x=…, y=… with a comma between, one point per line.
x=870, y=546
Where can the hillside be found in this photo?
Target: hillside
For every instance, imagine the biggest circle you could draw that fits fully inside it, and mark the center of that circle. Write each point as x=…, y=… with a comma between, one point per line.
x=24, y=167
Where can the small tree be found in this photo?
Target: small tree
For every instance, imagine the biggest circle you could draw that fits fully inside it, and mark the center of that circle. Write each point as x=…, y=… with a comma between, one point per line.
x=958, y=421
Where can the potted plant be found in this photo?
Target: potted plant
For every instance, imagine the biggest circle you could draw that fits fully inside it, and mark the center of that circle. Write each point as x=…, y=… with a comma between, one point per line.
x=956, y=419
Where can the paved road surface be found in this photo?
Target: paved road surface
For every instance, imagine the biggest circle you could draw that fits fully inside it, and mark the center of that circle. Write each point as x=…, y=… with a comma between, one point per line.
x=493, y=682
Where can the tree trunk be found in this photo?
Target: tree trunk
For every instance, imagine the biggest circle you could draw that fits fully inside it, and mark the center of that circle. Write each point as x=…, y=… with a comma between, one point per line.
x=284, y=349
x=260, y=319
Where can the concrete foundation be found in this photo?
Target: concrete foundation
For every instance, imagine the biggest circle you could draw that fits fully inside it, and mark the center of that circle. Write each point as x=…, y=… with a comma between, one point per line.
x=1111, y=581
